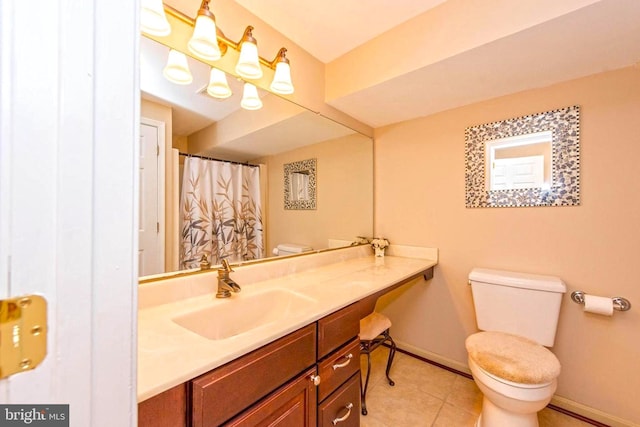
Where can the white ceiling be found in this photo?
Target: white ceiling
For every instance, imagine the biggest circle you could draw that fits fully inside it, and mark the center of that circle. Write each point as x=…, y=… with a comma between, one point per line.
x=599, y=37
x=193, y=110
x=328, y=29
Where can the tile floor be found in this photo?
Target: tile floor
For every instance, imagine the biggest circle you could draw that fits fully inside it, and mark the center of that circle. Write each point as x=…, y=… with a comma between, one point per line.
x=425, y=395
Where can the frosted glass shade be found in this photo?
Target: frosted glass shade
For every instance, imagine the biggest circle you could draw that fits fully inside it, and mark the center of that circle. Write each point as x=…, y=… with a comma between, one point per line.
x=203, y=42
x=248, y=65
x=218, y=86
x=152, y=18
x=250, y=98
x=177, y=68
x=281, y=82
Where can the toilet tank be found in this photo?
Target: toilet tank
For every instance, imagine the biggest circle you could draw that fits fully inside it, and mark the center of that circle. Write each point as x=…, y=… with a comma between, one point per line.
x=290, y=249
x=518, y=303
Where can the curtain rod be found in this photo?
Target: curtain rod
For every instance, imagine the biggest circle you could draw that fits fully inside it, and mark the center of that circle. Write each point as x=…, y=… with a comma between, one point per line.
x=217, y=160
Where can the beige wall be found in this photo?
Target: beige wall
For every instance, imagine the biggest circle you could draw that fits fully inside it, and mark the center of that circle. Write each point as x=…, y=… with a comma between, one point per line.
x=344, y=189
x=595, y=247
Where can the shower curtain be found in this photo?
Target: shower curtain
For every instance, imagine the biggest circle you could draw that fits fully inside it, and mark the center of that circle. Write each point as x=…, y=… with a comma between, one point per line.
x=221, y=213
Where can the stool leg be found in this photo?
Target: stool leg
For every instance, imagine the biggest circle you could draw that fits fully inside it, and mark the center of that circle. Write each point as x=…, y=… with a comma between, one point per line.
x=363, y=389
x=392, y=353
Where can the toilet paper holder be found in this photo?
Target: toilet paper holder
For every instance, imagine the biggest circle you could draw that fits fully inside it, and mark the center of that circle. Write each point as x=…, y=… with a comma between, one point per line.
x=619, y=303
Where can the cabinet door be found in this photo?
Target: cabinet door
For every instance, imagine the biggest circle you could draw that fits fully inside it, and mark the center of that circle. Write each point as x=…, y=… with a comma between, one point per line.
x=293, y=405
x=342, y=408
x=167, y=409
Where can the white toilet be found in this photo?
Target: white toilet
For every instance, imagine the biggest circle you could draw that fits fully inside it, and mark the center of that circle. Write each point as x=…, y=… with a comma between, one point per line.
x=518, y=313
x=284, y=249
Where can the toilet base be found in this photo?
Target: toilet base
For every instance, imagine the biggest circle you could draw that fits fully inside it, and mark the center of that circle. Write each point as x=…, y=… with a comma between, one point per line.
x=494, y=416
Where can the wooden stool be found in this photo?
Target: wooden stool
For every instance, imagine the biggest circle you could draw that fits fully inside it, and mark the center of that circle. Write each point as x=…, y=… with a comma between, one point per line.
x=374, y=331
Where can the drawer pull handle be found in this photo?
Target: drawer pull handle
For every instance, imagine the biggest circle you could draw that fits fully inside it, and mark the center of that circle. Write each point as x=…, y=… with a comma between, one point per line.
x=343, y=364
x=315, y=379
x=341, y=419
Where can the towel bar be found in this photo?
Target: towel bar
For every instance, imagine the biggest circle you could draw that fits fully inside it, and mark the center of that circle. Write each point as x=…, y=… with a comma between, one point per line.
x=619, y=303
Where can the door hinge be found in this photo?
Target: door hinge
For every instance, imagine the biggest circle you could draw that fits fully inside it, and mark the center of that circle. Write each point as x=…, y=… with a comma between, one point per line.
x=158, y=150
x=157, y=227
x=23, y=334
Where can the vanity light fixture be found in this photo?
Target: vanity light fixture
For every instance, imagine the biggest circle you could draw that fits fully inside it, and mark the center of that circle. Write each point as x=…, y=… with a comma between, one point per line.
x=177, y=68
x=282, y=78
x=204, y=41
x=218, y=85
x=248, y=65
x=209, y=43
x=153, y=19
x=250, y=98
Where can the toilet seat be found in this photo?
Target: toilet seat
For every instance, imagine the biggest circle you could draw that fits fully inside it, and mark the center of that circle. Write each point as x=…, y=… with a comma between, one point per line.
x=513, y=359
x=510, y=390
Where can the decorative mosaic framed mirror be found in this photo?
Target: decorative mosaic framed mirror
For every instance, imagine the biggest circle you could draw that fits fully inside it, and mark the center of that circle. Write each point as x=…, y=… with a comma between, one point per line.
x=531, y=160
x=300, y=185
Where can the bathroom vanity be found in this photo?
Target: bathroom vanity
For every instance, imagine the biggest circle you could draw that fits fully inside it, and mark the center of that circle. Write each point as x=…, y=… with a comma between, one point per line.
x=297, y=367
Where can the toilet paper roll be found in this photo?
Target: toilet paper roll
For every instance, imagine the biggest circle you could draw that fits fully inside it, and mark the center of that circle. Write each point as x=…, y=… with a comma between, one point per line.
x=598, y=305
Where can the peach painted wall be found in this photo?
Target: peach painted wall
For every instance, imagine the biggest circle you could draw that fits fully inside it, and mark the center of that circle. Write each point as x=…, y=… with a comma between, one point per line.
x=344, y=194
x=594, y=247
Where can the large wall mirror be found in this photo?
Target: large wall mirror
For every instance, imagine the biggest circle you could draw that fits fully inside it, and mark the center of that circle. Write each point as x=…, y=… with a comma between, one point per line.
x=532, y=160
x=199, y=127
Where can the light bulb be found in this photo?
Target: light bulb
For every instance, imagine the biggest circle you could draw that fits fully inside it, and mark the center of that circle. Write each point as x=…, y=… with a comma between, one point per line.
x=177, y=68
x=282, y=79
x=153, y=20
x=248, y=65
x=250, y=98
x=218, y=86
x=203, y=42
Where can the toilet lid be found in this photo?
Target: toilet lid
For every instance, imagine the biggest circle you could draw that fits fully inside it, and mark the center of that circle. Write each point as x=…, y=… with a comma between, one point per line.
x=512, y=357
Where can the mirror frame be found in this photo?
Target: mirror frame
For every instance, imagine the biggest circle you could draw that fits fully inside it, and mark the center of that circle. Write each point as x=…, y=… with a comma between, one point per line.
x=308, y=166
x=564, y=124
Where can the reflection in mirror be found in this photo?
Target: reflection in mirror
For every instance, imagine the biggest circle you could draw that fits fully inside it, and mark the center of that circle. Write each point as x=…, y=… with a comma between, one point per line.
x=532, y=160
x=300, y=185
x=280, y=133
x=522, y=161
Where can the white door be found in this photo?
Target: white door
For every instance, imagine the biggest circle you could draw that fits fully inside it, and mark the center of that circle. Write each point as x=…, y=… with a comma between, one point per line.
x=151, y=215
x=517, y=172
x=69, y=124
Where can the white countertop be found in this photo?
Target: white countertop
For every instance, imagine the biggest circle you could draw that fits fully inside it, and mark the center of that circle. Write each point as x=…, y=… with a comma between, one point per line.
x=169, y=354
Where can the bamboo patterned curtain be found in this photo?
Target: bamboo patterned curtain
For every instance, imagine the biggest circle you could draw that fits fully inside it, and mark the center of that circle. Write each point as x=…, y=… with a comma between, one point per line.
x=221, y=212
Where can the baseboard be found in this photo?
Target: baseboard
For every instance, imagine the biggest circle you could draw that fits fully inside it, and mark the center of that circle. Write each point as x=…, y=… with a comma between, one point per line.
x=576, y=410
x=592, y=414
x=430, y=357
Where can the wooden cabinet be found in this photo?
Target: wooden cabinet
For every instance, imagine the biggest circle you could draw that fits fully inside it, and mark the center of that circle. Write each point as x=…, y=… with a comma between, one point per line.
x=226, y=391
x=342, y=407
x=167, y=409
x=274, y=385
x=292, y=405
x=338, y=328
x=339, y=367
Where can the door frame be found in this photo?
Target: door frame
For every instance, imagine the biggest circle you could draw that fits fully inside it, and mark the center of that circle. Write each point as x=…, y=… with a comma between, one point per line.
x=160, y=184
x=68, y=198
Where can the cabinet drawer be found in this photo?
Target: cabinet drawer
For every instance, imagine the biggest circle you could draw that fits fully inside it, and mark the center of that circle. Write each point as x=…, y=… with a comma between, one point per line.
x=336, y=329
x=338, y=367
x=293, y=404
x=343, y=404
x=224, y=392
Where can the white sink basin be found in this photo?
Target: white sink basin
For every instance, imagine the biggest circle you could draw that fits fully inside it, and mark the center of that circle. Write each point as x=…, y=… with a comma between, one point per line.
x=243, y=313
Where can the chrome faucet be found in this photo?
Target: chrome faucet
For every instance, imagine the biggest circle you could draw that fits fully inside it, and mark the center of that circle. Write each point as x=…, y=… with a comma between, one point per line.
x=225, y=284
